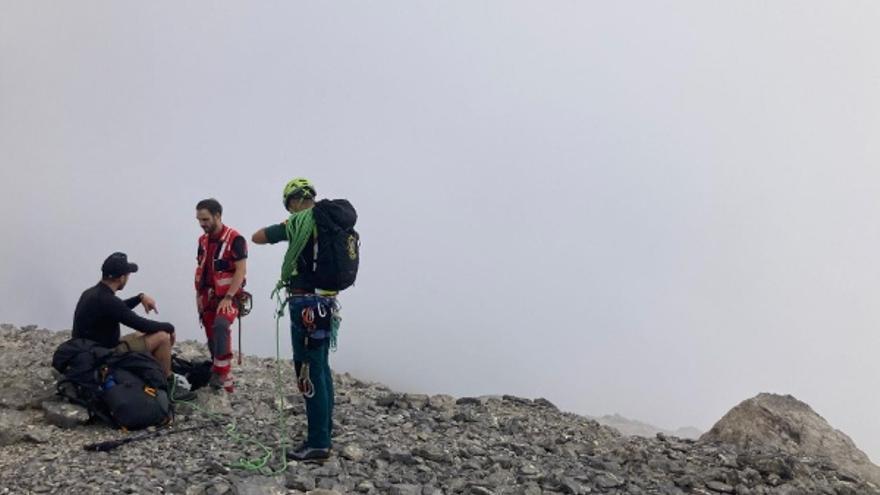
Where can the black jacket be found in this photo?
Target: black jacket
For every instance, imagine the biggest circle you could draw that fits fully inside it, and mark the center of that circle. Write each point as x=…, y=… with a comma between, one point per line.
x=99, y=313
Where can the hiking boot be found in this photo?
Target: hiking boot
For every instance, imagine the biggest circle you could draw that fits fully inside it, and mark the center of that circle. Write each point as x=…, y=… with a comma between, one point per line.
x=216, y=381
x=183, y=395
x=304, y=453
x=179, y=394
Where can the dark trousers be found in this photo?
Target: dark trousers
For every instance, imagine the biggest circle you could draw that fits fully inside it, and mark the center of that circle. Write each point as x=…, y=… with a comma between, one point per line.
x=311, y=361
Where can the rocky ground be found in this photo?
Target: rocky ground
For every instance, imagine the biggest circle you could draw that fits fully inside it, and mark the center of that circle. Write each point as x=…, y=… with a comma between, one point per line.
x=385, y=442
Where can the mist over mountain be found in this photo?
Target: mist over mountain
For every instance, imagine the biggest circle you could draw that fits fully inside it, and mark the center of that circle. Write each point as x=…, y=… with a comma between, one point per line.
x=656, y=208
x=632, y=427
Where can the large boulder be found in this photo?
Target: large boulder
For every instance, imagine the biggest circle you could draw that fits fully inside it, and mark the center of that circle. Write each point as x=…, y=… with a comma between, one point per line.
x=787, y=424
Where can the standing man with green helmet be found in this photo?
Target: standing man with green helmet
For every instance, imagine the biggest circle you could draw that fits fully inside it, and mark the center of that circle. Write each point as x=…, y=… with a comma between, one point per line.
x=322, y=259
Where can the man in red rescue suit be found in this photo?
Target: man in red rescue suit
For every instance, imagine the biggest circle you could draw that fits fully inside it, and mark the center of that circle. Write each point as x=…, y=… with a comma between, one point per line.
x=220, y=277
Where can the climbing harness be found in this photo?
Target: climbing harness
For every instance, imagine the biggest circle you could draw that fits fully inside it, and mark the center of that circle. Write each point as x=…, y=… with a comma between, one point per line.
x=308, y=318
x=311, y=316
x=304, y=382
x=303, y=379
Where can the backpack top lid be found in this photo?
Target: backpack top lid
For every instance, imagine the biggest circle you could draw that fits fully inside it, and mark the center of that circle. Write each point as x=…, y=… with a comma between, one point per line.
x=78, y=354
x=339, y=212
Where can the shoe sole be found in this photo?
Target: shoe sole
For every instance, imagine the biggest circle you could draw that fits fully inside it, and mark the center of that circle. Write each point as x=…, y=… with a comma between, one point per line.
x=314, y=460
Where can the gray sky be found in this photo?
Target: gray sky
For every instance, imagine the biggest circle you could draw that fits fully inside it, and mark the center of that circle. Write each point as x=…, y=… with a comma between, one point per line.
x=656, y=210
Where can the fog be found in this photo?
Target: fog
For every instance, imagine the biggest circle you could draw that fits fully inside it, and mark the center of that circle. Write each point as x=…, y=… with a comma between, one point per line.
x=652, y=209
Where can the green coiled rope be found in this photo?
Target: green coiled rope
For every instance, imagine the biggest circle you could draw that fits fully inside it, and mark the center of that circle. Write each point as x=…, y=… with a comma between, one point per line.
x=261, y=463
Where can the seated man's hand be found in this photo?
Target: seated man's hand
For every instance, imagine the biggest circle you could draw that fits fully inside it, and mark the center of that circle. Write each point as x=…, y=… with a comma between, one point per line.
x=149, y=304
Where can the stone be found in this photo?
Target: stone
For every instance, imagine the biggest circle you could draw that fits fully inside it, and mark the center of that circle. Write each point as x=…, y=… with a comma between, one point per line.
x=327, y=483
x=399, y=455
x=719, y=487
x=568, y=485
x=432, y=453
x=298, y=481
x=213, y=401
x=416, y=401
x=441, y=402
x=790, y=426
x=352, y=453
x=12, y=424
x=388, y=400
x=405, y=489
x=542, y=402
x=529, y=470
x=37, y=436
x=516, y=400
x=260, y=485
x=608, y=481
x=65, y=415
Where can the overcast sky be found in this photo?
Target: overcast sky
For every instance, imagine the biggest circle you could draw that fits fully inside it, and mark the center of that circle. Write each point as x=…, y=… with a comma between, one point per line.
x=652, y=208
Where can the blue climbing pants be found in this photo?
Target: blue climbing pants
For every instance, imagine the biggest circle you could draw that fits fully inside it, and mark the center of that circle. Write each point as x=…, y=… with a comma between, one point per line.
x=311, y=346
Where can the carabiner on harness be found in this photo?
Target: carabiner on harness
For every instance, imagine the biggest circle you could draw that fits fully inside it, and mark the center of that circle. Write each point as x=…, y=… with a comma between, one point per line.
x=304, y=382
x=308, y=316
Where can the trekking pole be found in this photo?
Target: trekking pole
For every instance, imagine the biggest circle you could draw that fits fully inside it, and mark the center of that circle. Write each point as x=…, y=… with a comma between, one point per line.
x=245, y=303
x=112, y=444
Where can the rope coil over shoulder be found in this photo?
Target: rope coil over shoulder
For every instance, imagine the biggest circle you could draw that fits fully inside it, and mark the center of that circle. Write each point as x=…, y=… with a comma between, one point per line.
x=300, y=226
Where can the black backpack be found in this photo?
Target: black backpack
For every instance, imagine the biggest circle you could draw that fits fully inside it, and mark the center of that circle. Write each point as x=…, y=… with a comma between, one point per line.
x=78, y=361
x=197, y=373
x=337, y=250
x=126, y=390
x=135, y=391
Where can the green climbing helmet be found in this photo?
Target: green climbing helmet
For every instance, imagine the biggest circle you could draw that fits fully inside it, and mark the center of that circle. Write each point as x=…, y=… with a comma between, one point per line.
x=299, y=186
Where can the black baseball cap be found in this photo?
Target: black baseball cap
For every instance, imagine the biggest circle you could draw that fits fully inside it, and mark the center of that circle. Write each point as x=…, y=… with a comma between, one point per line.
x=117, y=265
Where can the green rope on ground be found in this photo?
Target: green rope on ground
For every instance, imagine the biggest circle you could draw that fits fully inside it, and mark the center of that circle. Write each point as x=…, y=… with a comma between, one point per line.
x=231, y=429
x=259, y=464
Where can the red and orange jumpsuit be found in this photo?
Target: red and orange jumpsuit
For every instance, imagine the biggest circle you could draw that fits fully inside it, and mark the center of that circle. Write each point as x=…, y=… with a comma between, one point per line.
x=216, y=259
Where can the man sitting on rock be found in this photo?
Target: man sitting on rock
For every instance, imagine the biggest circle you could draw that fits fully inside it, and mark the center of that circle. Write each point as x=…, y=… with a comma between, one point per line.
x=99, y=313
